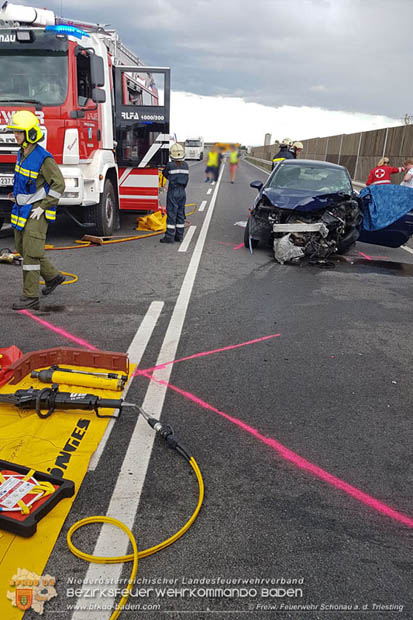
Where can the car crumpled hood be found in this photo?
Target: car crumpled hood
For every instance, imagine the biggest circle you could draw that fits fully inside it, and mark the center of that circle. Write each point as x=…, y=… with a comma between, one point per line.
x=302, y=200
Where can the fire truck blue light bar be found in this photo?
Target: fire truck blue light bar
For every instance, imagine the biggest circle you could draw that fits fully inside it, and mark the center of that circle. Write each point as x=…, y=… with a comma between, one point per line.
x=71, y=30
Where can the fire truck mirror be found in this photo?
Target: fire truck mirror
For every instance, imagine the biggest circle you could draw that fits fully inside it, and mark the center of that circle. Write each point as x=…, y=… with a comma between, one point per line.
x=97, y=72
x=98, y=95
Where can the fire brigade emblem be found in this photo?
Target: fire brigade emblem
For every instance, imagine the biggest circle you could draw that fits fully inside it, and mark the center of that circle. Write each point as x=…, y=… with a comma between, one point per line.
x=32, y=590
x=380, y=173
x=24, y=598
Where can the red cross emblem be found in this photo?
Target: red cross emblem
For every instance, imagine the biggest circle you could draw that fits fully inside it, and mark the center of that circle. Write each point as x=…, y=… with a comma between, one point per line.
x=380, y=173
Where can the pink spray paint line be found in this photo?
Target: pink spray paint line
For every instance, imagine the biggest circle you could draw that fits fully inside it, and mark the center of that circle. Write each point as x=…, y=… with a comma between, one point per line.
x=371, y=257
x=296, y=459
x=238, y=247
x=59, y=330
x=145, y=371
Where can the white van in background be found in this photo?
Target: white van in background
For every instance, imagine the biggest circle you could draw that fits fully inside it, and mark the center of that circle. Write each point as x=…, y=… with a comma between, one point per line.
x=194, y=148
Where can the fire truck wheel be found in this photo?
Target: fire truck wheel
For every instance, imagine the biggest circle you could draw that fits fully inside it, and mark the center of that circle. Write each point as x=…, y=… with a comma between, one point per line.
x=103, y=214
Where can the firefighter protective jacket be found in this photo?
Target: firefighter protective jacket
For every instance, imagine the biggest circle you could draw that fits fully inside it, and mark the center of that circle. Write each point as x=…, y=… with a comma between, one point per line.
x=37, y=179
x=283, y=153
x=177, y=173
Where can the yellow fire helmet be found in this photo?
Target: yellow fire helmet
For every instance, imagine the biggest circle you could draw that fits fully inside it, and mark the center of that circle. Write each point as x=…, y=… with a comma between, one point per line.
x=26, y=121
x=286, y=141
x=177, y=151
x=298, y=145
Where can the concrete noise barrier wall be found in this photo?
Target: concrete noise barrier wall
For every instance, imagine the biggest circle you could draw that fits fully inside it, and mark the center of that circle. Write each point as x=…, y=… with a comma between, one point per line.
x=358, y=152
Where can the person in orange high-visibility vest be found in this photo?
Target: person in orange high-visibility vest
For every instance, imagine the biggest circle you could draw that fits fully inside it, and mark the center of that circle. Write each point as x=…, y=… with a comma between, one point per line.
x=233, y=162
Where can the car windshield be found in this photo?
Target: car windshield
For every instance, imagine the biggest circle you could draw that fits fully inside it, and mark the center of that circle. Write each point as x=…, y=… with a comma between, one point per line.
x=314, y=179
x=35, y=71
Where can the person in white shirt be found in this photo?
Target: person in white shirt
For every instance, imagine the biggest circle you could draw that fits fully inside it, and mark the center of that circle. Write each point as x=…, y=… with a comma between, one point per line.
x=408, y=177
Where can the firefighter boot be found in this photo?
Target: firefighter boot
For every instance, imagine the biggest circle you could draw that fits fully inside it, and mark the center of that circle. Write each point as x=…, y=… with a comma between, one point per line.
x=166, y=240
x=27, y=303
x=52, y=284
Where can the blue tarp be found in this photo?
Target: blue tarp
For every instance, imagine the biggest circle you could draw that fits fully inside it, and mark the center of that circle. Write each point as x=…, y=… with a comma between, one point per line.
x=385, y=204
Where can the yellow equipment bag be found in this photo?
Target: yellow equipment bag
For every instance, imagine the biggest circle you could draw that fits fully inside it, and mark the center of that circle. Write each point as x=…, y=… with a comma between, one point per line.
x=155, y=221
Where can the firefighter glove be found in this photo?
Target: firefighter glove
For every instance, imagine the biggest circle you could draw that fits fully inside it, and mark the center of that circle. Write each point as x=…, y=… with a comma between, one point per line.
x=36, y=213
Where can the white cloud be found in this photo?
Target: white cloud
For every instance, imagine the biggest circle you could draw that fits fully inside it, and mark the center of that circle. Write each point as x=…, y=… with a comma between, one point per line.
x=272, y=52
x=231, y=119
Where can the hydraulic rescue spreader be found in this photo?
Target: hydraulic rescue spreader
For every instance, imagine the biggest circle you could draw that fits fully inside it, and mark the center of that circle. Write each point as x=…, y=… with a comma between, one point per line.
x=50, y=399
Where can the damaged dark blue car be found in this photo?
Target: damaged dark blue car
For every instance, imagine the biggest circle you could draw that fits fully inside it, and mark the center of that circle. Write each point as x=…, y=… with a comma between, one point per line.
x=308, y=210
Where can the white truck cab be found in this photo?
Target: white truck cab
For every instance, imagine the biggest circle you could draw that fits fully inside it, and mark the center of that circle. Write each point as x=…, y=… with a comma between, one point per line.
x=194, y=148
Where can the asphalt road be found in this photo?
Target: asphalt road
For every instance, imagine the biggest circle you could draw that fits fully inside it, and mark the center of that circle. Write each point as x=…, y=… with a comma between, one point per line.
x=293, y=420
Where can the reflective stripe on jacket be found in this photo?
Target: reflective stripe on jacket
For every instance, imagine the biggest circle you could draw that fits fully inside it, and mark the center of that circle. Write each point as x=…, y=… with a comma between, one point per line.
x=24, y=187
x=177, y=173
x=283, y=153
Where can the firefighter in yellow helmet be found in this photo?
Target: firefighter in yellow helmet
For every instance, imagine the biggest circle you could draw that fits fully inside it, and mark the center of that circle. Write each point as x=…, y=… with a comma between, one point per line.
x=38, y=185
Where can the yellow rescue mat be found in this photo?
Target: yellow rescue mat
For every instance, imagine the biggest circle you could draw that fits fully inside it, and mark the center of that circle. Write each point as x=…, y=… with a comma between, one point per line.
x=60, y=445
x=155, y=221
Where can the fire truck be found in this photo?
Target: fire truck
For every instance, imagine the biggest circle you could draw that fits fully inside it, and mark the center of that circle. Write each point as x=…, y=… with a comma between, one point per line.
x=103, y=114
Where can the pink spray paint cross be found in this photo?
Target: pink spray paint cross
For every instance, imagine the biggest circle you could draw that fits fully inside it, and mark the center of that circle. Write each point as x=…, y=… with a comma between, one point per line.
x=282, y=450
x=296, y=459
x=371, y=257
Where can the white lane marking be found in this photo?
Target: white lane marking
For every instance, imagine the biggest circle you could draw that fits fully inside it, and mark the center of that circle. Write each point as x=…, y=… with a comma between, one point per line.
x=135, y=352
x=209, y=191
x=125, y=498
x=405, y=247
x=185, y=243
x=202, y=205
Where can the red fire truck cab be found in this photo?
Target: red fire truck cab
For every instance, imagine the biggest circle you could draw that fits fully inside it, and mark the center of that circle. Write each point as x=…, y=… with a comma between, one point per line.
x=104, y=115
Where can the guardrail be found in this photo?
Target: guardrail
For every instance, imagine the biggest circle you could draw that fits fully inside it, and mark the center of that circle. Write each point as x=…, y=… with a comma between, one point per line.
x=266, y=164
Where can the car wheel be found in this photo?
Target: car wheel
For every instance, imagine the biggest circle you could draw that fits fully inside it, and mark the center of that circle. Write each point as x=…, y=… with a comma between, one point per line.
x=348, y=242
x=254, y=242
x=1, y=221
x=344, y=249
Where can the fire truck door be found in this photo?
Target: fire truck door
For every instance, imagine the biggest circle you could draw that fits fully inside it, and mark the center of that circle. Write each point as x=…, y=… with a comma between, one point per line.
x=89, y=125
x=142, y=96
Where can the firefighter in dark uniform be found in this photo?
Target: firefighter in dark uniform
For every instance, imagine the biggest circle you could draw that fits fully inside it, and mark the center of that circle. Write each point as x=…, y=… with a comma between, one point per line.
x=283, y=153
x=38, y=185
x=177, y=173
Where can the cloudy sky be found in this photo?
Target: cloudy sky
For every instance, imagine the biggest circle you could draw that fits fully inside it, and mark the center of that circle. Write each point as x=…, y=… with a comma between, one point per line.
x=240, y=68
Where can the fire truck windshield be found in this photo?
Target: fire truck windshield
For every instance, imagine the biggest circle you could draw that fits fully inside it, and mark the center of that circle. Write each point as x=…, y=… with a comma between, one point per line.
x=34, y=71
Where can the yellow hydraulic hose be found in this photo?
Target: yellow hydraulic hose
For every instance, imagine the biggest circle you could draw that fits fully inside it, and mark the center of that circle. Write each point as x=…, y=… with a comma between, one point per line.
x=74, y=278
x=136, y=555
x=86, y=244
